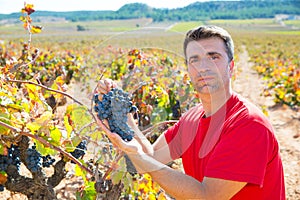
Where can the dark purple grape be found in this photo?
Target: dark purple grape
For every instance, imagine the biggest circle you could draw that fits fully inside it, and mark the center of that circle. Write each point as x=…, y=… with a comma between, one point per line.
x=80, y=149
x=114, y=107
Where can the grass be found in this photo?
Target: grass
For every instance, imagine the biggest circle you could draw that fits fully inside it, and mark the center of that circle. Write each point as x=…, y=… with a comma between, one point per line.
x=185, y=26
x=295, y=23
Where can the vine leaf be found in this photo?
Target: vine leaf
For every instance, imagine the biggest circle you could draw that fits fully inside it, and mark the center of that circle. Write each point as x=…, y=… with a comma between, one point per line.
x=118, y=174
x=40, y=122
x=36, y=29
x=79, y=116
x=44, y=150
x=3, y=177
x=6, y=119
x=28, y=8
x=56, y=136
x=68, y=127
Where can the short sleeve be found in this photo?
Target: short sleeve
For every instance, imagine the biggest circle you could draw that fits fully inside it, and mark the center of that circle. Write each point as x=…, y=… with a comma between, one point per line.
x=242, y=154
x=173, y=138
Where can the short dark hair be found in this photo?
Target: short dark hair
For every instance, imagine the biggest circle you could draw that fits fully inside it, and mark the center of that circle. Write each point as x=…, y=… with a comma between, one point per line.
x=209, y=31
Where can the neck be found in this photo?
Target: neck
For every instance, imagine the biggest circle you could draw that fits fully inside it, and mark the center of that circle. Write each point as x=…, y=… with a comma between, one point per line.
x=213, y=102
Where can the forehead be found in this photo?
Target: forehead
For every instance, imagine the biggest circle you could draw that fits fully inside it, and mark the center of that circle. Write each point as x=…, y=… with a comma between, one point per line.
x=213, y=44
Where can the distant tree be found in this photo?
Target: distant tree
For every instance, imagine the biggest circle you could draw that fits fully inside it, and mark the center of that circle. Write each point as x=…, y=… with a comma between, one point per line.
x=81, y=28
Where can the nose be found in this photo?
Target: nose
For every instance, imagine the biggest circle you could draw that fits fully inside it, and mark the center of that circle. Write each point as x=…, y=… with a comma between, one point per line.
x=202, y=65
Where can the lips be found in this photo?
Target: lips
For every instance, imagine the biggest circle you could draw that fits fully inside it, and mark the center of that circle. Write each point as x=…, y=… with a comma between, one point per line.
x=205, y=78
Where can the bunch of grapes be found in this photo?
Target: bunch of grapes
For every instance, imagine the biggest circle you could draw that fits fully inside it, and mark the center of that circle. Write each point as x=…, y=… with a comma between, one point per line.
x=12, y=158
x=47, y=161
x=114, y=107
x=14, y=155
x=80, y=149
x=176, y=110
x=33, y=159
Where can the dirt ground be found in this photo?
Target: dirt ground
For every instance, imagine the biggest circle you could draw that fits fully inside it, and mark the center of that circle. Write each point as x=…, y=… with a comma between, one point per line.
x=286, y=123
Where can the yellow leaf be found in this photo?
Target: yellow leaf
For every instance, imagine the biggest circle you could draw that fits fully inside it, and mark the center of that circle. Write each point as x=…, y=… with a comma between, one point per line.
x=55, y=135
x=33, y=126
x=5, y=119
x=69, y=128
x=45, y=118
x=36, y=29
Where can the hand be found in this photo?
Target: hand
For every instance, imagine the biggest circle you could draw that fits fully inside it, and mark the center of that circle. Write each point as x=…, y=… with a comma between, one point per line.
x=131, y=147
x=104, y=86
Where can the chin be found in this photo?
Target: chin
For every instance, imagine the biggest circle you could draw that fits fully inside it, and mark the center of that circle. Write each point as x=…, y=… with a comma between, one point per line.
x=207, y=90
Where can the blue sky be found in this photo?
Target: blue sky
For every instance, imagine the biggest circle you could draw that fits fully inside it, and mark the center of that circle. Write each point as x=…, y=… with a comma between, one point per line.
x=9, y=6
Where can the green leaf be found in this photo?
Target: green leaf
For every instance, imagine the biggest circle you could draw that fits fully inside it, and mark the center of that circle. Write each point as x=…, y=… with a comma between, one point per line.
x=96, y=136
x=127, y=181
x=1, y=149
x=89, y=192
x=44, y=150
x=79, y=115
x=33, y=126
x=69, y=128
x=80, y=172
x=55, y=136
x=117, y=176
x=5, y=118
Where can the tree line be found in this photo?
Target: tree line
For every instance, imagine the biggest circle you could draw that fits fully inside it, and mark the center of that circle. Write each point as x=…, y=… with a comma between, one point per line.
x=249, y=9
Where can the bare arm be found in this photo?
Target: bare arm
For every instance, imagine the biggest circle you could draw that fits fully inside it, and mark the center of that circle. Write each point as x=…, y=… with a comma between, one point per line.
x=182, y=186
x=175, y=183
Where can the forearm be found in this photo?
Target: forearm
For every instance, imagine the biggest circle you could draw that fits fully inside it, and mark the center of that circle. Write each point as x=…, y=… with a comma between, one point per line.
x=140, y=137
x=175, y=183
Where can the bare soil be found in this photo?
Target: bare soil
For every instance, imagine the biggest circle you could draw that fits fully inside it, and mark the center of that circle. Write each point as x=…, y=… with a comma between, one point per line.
x=285, y=121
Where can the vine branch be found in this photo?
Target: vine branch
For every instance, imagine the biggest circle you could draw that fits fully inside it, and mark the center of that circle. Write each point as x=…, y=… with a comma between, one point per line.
x=46, y=143
x=46, y=88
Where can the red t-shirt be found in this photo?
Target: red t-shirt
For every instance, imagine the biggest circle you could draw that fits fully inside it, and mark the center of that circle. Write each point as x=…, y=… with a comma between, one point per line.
x=236, y=143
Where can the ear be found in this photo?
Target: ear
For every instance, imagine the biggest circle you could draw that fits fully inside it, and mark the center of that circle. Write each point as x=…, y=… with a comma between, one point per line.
x=231, y=66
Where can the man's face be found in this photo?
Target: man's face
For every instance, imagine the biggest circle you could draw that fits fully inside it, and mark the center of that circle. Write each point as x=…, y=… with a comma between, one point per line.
x=208, y=65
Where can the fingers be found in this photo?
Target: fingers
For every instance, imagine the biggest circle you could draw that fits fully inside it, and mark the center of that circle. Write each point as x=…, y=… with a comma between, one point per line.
x=104, y=86
x=131, y=121
x=104, y=126
x=128, y=147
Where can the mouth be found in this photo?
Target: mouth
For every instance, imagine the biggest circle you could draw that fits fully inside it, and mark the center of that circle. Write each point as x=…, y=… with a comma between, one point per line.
x=205, y=78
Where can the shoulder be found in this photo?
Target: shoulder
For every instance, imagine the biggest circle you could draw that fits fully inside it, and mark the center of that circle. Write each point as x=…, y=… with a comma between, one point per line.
x=195, y=110
x=244, y=112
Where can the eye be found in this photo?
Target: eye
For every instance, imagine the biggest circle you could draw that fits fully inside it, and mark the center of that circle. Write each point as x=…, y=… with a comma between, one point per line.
x=214, y=57
x=194, y=60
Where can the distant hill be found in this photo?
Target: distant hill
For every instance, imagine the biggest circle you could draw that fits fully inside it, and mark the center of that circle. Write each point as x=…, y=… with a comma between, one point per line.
x=247, y=9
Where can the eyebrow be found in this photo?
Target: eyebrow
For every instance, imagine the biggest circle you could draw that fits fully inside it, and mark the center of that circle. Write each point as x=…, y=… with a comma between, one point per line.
x=213, y=53
x=208, y=53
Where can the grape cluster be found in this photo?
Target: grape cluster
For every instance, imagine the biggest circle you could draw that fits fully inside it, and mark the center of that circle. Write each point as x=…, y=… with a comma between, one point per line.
x=33, y=159
x=12, y=158
x=176, y=110
x=114, y=107
x=47, y=161
x=80, y=149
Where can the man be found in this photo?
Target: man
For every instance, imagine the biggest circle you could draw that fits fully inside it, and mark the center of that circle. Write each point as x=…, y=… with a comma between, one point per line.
x=227, y=145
